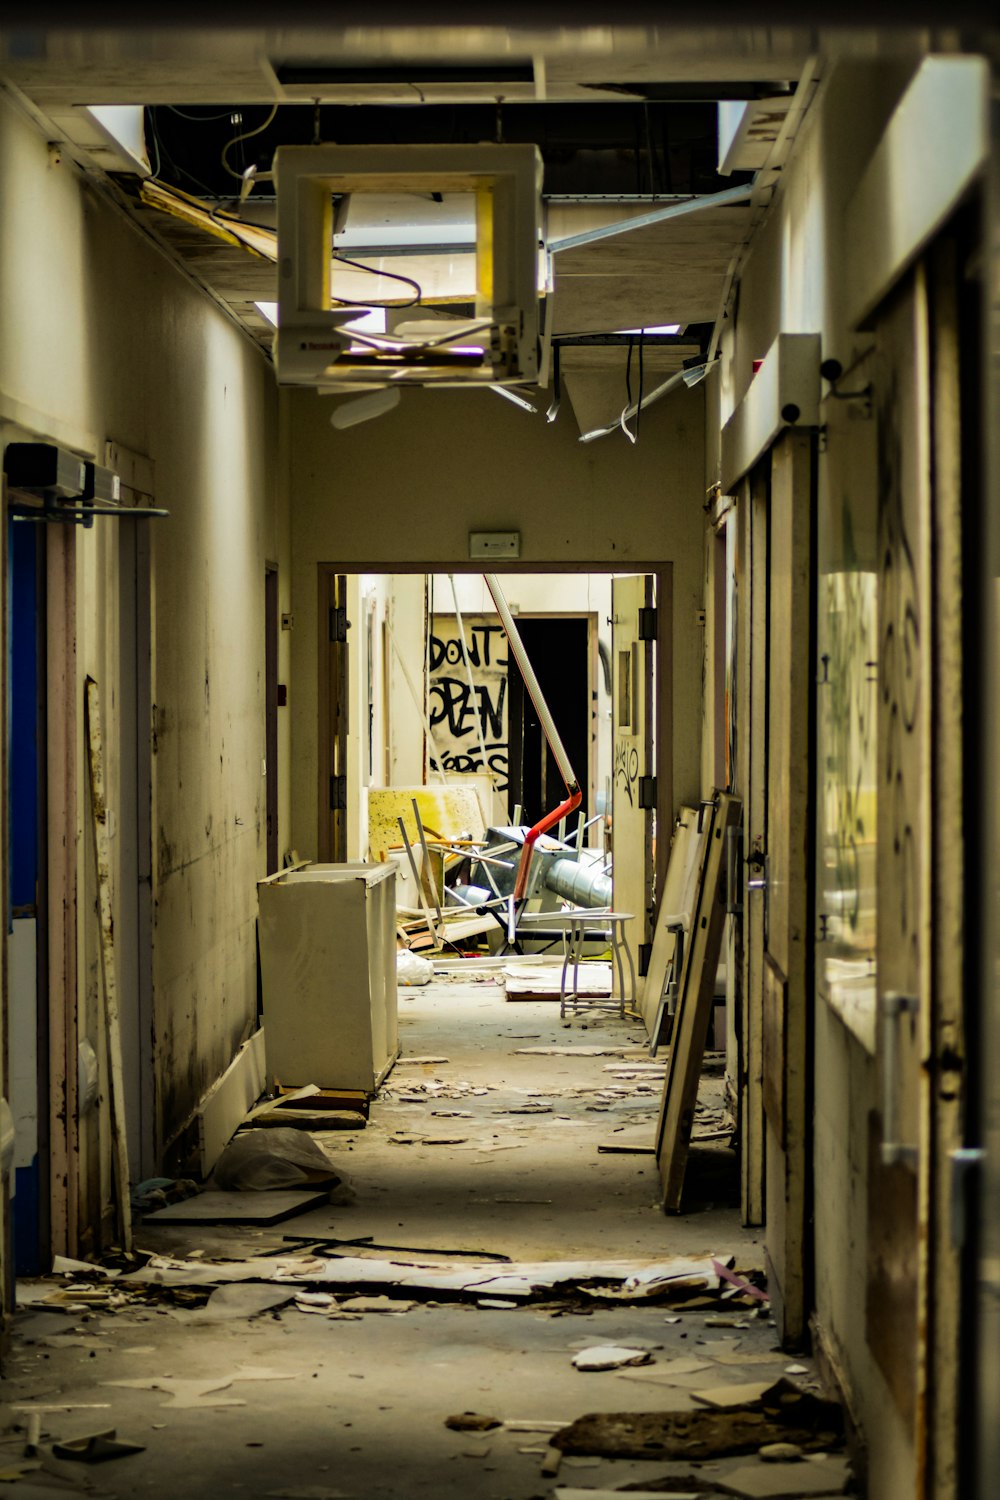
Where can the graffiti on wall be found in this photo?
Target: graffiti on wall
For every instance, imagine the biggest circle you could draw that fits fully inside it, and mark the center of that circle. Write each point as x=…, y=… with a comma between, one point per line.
x=627, y=769
x=465, y=718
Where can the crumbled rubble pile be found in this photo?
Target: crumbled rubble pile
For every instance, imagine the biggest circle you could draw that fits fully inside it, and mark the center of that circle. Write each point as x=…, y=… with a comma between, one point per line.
x=77, y=1286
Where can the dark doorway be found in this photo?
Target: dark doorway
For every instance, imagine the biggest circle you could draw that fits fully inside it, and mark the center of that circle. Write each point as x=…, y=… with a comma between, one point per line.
x=559, y=651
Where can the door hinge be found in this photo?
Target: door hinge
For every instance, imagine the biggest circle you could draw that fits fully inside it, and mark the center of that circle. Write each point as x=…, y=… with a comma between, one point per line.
x=647, y=792
x=645, y=953
x=339, y=624
x=338, y=793
x=647, y=623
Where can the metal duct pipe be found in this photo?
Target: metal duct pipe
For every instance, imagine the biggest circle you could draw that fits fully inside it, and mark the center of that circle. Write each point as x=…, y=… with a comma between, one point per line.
x=586, y=885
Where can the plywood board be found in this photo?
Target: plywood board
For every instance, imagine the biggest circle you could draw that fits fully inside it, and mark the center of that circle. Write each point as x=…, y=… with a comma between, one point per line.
x=680, y=1084
x=447, y=812
x=544, y=982
x=775, y=1034
x=666, y=273
x=679, y=894
x=224, y=1107
x=268, y=1207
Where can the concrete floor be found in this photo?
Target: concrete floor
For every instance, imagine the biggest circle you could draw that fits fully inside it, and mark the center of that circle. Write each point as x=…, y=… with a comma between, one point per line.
x=362, y=1412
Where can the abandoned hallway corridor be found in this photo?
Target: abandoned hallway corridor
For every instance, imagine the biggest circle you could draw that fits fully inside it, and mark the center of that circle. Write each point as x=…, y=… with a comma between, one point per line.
x=488, y=1145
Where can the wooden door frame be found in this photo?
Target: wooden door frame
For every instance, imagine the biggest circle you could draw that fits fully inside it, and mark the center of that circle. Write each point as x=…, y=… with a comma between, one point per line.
x=663, y=683
x=333, y=696
x=752, y=514
x=271, y=627
x=790, y=998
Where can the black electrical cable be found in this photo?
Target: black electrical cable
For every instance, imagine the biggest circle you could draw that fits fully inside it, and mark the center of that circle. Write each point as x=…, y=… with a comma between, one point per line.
x=179, y=172
x=371, y=270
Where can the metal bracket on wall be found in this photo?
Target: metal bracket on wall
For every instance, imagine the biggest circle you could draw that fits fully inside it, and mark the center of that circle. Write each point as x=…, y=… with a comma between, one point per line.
x=339, y=624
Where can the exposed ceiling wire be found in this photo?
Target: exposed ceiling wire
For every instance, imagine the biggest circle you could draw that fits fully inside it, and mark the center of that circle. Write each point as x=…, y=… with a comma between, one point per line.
x=632, y=408
x=691, y=376
x=245, y=135
x=357, y=265
x=622, y=422
x=225, y=114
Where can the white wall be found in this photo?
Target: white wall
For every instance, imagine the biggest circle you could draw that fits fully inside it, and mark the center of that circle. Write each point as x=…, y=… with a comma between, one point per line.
x=104, y=339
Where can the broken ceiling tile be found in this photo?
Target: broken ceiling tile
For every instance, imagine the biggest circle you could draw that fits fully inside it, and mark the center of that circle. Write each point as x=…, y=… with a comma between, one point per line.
x=792, y=1481
x=724, y=1396
x=610, y=1357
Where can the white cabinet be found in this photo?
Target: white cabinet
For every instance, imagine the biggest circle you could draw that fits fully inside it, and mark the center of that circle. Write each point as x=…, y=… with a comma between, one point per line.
x=328, y=971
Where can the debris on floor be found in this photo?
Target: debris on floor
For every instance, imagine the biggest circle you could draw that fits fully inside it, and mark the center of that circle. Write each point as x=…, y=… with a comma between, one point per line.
x=610, y=1280
x=158, y=1192
x=610, y=1357
x=258, y=1160
x=199, y=1393
x=783, y=1413
x=96, y=1448
x=266, y=1207
x=412, y=1272
x=411, y=969
x=822, y=1475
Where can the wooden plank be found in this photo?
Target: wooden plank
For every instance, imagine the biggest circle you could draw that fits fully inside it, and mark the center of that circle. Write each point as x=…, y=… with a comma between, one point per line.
x=678, y=899
x=268, y=1207
x=751, y=765
x=680, y=1084
x=223, y=1109
x=786, y=977
x=102, y=854
x=774, y=1037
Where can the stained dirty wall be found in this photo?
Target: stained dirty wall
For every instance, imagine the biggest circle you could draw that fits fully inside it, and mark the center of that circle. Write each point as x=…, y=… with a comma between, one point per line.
x=406, y=490
x=793, y=281
x=104, y=339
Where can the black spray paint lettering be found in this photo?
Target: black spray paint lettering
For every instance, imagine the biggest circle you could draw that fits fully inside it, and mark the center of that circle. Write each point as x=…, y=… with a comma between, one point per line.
x=467, y=762
x=482, y=644
x=626, y=769
x=451, y=705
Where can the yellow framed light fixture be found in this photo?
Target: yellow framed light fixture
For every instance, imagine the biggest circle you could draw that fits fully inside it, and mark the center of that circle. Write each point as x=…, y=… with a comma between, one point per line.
x=499, y=345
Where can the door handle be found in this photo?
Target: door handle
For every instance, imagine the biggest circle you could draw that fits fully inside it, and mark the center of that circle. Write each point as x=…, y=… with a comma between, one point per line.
x=894, y=1007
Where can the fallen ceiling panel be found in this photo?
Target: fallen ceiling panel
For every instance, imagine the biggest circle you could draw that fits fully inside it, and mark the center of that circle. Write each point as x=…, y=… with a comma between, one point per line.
x=667, y=273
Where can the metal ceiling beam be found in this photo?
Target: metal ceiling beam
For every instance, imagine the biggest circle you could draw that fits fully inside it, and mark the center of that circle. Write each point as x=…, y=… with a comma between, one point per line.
x=656, y=216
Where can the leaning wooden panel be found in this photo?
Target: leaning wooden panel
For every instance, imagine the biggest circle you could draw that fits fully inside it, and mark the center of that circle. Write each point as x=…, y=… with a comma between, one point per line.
x=680, y=1085
x=680, y=892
